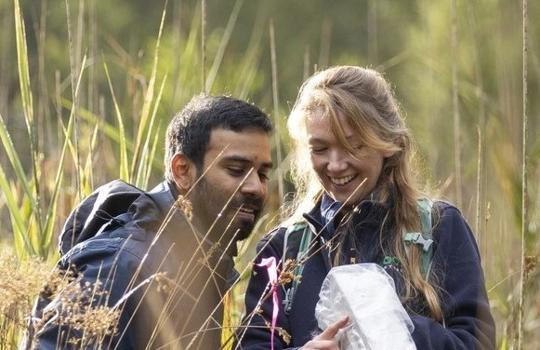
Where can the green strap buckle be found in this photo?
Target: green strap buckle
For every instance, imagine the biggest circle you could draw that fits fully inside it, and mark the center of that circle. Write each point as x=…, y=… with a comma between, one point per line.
x=390, y=261
x=417, y=238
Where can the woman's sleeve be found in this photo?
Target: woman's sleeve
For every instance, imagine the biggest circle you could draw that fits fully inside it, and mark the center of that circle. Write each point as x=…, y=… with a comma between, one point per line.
x=254, y=334
x=468, y=320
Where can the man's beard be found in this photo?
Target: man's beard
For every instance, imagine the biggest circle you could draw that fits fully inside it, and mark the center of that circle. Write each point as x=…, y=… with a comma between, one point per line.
x=209, y=202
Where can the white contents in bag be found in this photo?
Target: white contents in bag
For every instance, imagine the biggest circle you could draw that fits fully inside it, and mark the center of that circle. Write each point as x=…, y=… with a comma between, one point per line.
x=367, y=294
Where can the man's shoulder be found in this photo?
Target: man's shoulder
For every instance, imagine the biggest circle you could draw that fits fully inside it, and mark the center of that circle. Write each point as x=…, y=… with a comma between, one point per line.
x=116, y=218
x=118, y=246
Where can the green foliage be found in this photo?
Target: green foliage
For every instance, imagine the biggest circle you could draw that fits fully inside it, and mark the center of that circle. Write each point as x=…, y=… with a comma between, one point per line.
x=140, y=63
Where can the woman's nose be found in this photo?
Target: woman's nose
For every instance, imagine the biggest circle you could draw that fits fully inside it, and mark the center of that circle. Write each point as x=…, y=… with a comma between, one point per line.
x=337, y=161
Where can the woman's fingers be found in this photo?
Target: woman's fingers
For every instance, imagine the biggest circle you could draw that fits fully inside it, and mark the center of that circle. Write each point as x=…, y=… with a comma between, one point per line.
x=330, y=332
x=326, y=340
x=321, y=345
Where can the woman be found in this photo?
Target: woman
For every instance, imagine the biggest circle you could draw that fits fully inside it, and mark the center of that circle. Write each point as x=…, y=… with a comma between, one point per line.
x=358, y=198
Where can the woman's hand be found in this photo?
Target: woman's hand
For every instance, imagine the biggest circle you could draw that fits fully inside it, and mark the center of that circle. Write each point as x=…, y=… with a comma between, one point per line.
x=327, y=339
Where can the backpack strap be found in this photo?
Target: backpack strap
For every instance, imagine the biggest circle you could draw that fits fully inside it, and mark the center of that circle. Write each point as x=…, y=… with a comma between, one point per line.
x=424, y=238
x=295, y=246
x=298, y=239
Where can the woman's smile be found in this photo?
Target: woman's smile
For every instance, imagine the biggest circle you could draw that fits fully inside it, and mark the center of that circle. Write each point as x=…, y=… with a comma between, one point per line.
x=346, y=176
x=341, y=181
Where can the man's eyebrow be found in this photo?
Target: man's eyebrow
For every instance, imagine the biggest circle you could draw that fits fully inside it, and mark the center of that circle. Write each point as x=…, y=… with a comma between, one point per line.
x=246, y=161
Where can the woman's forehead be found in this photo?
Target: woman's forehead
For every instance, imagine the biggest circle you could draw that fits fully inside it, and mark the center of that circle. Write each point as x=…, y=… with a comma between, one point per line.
x=324, y=127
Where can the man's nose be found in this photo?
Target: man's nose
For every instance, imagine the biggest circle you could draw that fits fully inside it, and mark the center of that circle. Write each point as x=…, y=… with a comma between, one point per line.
x=337, y=161
x=254, y=185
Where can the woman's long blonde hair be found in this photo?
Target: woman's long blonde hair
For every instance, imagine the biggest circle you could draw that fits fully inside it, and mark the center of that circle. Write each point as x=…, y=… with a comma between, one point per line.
x=365, y=100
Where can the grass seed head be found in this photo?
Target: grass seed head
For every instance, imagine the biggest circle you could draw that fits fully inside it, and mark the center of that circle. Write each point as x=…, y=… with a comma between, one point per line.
x=185, y=206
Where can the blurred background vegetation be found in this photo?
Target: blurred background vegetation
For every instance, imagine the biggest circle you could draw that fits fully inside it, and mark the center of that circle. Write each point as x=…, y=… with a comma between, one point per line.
x=87, y=88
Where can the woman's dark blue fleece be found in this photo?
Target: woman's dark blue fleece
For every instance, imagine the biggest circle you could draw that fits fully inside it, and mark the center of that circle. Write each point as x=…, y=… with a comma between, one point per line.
x=468, y=323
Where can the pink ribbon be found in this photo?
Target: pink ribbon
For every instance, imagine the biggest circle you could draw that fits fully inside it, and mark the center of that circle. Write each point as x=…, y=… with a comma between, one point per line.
x=271, y=270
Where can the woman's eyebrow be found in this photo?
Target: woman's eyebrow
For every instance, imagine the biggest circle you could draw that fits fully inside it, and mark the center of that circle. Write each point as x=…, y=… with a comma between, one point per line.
x=315, y=140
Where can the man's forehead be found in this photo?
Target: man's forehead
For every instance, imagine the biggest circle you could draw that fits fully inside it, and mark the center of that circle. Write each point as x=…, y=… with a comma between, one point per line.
x=239, y=159
x=248, y=145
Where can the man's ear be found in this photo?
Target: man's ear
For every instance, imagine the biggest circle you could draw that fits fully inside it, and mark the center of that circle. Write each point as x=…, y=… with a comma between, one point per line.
x=183, y=171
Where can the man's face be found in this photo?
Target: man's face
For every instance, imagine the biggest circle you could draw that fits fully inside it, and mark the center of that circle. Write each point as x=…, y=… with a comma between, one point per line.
x=233, y=183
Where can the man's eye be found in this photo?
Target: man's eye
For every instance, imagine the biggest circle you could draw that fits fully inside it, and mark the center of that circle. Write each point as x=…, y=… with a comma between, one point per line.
x=264, y=177
x=236, y=171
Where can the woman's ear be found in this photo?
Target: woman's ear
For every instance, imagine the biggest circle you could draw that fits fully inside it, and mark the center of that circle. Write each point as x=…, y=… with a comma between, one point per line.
x=183, y=171
x=389, y=153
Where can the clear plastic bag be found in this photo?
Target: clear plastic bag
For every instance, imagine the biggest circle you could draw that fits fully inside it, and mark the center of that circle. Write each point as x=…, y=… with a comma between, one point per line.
x=366, y=293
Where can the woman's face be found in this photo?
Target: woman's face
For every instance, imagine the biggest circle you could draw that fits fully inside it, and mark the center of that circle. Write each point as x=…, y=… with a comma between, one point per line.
x=340, y=172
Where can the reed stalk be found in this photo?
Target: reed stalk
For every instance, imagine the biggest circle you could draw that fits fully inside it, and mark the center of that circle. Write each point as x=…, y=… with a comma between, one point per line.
x=478, y=186
x=28, y=109
x=146, y=108
x=479, y=229
x=372, y=42
x=5, y=71
x=124, y=162
x=307, y=64
x=212, y=74
x=277, y=119
x=74, y=44
x=249, y=66
x=93, y=93
x=203, y=46
x=43, y=110
x=177, y=44
x=455, y=108
x=51, y=217
x=324, y=50
x=524, y=186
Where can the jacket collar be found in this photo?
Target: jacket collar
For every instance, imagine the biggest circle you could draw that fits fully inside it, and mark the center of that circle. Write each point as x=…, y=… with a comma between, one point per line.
x=368, y=209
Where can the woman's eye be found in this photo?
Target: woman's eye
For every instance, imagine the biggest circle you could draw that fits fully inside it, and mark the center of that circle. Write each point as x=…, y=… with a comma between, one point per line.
x=317, y=150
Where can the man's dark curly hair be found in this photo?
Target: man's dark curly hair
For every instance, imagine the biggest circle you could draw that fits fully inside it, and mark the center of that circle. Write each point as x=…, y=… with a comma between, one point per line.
x=190, y=129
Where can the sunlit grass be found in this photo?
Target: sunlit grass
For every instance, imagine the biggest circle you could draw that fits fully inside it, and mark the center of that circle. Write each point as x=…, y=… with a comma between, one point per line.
x=89, y=144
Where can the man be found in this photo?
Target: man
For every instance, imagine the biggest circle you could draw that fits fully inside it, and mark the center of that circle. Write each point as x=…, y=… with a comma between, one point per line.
x=158, y=262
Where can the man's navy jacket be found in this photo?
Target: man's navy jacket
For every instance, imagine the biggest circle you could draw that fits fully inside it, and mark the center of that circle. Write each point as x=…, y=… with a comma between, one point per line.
x=123, y=237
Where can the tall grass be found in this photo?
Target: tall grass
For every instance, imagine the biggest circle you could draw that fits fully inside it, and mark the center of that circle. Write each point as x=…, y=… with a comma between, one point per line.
x=455, y=109
x=137, y=151
x=524, y=187
x=276, y=113
x=102, y=112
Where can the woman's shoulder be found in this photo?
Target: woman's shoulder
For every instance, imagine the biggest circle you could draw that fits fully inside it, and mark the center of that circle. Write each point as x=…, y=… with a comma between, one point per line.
x=278, y=235
x=445, y=212
x=450, y=226
x=443, y=207
x=273, y=239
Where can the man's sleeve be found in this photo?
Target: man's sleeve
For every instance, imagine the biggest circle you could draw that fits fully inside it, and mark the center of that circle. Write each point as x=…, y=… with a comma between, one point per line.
x=100, y=274
x=468, y=321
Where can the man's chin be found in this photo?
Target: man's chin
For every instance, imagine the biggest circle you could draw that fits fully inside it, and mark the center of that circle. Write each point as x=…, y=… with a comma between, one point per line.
x=243, y=229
